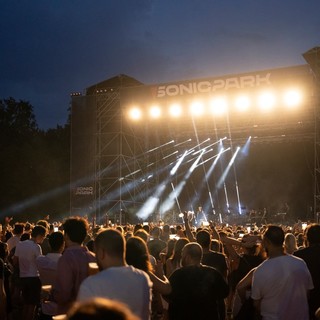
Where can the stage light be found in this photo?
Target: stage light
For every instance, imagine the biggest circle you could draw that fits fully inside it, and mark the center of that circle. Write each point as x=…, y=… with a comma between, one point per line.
x=196, y=108
x=135, y=113
x=266, y=101
x=175, y=110
x=292, y=98
x=155, y=112
x=219, y=105
x=242, y=103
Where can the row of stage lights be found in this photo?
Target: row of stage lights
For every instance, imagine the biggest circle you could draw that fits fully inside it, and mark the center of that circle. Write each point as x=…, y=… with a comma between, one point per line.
x=221, y=105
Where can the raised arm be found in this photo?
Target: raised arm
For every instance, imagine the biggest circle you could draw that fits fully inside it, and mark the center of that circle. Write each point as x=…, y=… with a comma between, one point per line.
x=189, y=234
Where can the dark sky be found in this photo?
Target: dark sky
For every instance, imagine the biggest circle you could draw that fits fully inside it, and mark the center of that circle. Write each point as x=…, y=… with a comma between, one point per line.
x=49, y=49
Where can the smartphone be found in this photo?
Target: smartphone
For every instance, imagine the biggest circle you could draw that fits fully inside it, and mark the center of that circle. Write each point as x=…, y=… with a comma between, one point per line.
x=55, y=229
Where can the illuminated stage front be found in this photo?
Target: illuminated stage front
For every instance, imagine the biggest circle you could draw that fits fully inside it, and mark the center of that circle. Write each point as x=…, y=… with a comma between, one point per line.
x=229, y=144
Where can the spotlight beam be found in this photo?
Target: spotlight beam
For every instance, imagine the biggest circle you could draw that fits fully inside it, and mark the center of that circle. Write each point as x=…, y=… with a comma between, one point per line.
x=156, y=148
x=175, y=168
x=169, y=155
x=215, y=156
x=226, y=171
x=180, y=143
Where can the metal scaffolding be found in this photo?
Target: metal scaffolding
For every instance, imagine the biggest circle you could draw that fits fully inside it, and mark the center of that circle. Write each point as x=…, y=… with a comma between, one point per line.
x=313, y=59
x=116, y=158
x=125, y=174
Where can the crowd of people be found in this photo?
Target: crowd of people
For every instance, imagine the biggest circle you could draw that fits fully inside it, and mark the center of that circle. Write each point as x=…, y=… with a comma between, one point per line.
x=79, y=270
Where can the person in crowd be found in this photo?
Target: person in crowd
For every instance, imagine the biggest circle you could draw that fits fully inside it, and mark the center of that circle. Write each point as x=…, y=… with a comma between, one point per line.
x=165, y=235
x=180, y=232
x=3, y=294
x=244, y=255
x=117, y=280
x=15, y=284
x=146, y=227
x=100, y=309
x=156, y=245
x=25, y=236
x=280, y=284
x=210, y=258
x=120, y=229
x=137, y=227
x=243, y=308
x=47, y=264
x=5, y=273
x=311, y=255
x=141, y=233
x=216, y=245
x=45, y=246
x=137, y=255
x=17, y=232
x=197, y=290
x=166, y=253
x=300, y=240
x=25, y=257
x=72, y=267
x=174, y=262
x=290, y=243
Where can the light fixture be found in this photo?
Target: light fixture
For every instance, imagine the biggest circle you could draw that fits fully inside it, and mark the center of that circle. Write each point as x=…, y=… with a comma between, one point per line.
x=175, y=110
x=266, y=101
x=135, y=113
x=219, y=105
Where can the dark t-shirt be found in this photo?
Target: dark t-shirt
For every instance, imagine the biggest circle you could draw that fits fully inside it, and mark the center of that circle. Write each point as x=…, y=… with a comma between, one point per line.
x=197, y=293
x=155, y=247
x=216, y=260
x=246, y=263
x=311, y=256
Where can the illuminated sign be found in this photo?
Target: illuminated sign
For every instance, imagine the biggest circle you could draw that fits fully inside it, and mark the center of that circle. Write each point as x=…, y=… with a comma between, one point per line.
x=180, y=89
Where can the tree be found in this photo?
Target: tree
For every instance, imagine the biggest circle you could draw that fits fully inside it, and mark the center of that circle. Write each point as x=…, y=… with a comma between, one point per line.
x=34, y=164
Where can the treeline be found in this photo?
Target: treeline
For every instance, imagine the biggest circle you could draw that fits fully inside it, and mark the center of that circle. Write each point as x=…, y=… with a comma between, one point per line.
x=34, y=164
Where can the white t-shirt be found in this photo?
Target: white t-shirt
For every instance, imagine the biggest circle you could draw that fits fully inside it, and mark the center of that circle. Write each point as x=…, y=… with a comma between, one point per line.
x=27, y=251
x=47, y=266
x=282, y=284
x=12, y=242
x=126, y=284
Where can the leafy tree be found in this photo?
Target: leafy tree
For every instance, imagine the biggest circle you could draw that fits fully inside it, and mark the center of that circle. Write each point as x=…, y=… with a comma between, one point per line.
x=34, y=164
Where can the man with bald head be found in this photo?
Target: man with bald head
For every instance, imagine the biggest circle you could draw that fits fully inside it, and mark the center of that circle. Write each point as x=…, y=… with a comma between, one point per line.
x=197, y=290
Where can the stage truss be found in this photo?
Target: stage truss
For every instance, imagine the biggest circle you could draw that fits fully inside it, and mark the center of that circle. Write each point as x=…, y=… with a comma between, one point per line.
x=126, y=173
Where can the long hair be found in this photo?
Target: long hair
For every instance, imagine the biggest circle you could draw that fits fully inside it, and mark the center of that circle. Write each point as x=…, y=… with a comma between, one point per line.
x=170, y=247
x=176, y=255
x=137, y=254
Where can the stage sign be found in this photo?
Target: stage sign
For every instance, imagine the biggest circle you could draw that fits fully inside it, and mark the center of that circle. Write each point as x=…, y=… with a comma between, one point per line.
x=278, y=79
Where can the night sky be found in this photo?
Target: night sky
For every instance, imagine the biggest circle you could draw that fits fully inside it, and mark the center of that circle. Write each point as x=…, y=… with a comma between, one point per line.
x=49, y=49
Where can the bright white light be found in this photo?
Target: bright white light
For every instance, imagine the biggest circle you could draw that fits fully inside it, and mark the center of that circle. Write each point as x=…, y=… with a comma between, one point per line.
x=196, y=108
x=266, y=101
x=219, y=105
x=292, y=98
x=155, y=112
x=175, y=110
x=135, y=113
x=242, y=103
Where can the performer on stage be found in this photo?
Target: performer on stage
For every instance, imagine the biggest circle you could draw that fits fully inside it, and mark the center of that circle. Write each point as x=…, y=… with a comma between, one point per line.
x=200, y=217
x=191, y=217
